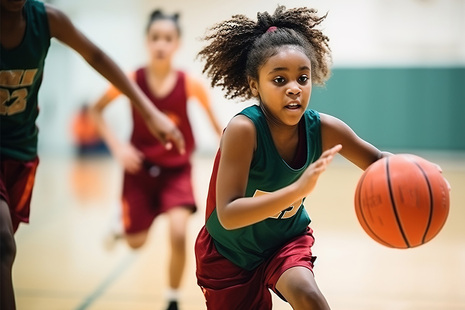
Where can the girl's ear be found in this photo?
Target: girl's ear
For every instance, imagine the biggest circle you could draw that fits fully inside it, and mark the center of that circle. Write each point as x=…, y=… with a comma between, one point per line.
x=253, y=87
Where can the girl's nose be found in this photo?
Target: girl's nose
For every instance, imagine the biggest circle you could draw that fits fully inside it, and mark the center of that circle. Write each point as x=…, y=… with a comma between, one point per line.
x=293, y=90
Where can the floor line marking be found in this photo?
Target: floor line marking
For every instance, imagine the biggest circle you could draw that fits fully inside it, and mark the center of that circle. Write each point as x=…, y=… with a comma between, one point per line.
x=110, y=279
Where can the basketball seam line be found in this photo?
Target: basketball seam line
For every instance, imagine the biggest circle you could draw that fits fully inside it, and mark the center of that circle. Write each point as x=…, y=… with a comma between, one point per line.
x=430, y=218
x=363, y=214
x=399, y=224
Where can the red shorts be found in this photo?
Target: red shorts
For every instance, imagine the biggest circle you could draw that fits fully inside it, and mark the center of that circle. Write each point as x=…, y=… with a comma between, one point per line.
x=152, y=191
x=16, y=184
x=227, y=286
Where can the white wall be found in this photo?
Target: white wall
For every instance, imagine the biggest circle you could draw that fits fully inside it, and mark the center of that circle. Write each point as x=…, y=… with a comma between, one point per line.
x=362, y=33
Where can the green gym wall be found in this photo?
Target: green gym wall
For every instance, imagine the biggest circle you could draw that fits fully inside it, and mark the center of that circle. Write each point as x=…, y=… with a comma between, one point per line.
x=399, y=108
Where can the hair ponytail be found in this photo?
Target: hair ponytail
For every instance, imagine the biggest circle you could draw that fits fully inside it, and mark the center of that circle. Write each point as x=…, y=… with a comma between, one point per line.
x=238, y=47
x=159, y=15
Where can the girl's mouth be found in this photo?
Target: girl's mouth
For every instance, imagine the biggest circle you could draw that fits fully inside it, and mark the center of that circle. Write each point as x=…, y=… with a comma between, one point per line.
x=293, y=106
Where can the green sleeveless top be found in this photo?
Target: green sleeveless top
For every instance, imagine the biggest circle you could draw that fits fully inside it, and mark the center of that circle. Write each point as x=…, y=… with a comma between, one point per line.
x=249, y=246
x=21, y=70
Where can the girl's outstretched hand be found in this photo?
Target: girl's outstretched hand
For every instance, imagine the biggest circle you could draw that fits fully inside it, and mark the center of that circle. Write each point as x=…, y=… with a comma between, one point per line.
x=309, y=178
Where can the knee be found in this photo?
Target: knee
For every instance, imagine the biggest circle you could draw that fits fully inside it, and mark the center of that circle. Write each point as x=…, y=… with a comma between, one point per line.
x=298, y=286
x=136, y=241
x=178, y=239
x=135, y=245
x=309, y=298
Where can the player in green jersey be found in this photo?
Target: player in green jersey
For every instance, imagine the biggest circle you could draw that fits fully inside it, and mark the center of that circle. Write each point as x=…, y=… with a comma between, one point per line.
x=256, y=236
x=26, y=29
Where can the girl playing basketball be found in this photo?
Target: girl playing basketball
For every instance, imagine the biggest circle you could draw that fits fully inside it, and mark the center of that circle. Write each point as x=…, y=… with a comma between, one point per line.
x=27, y=27
x=256, y=236
x=157, y=180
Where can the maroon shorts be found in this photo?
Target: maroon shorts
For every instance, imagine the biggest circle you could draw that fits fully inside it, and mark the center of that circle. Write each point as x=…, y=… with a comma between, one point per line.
x=16, y=184
x=227, y=286
x=152, y=191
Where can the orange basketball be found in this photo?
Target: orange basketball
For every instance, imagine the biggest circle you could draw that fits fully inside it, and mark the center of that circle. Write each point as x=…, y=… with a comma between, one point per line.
x=402, y=201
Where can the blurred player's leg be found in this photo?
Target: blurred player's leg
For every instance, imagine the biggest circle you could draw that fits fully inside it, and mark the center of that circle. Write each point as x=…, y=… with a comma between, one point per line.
x=115, y=230
x=7, y=257
x=178, y=218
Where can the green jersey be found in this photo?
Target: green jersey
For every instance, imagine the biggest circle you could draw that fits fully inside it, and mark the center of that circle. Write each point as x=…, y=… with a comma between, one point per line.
x=21, y=70
x=249, y=246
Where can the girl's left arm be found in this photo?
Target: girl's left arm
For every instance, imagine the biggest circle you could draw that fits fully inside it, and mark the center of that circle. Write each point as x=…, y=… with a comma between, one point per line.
x=355, y=149
x=195, y=88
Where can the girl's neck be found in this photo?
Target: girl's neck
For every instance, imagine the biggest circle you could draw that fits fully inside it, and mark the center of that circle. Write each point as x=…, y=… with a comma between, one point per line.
x=276, y=126
x=161, y=79
x=285, y=137
x=161, y=71
x=11, y=17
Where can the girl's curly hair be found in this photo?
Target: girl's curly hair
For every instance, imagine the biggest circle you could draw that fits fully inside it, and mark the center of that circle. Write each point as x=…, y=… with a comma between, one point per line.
x=238, y=47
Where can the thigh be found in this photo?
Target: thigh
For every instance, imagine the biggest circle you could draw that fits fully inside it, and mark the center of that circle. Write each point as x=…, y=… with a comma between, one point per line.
x=296, y=253
x=225, y=285
x=178, y=219
x=6, y=226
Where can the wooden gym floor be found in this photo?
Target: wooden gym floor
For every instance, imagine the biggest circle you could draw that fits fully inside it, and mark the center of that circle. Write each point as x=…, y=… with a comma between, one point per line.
x=62, y=262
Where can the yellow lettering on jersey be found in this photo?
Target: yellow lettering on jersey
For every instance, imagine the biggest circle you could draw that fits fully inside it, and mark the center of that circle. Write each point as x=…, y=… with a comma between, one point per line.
x=28, y=77
x=10, y=78
x=287, y=212
x=16, y=78
x=13, y=103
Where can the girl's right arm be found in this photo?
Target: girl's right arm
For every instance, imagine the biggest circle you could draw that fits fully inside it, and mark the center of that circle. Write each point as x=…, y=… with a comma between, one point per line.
x=130, y=158
x=234, y=209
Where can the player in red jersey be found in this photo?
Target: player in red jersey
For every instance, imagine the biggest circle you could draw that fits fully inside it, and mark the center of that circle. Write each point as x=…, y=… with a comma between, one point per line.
x=156, y=180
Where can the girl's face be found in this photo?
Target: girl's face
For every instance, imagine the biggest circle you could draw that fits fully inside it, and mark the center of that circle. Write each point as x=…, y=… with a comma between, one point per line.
x=284, y=85
x=162, y=40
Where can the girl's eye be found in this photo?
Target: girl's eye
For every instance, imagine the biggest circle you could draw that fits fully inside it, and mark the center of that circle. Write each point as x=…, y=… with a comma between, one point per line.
x=303, y=79
x=279, y=80
x=169, y=39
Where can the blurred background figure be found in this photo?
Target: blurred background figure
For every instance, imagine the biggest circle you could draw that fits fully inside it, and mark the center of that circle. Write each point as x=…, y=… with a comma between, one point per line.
x=86, y=137
x=158, y=181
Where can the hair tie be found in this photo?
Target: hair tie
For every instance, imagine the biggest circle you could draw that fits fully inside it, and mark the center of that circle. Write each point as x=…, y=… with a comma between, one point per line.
x=272, y=28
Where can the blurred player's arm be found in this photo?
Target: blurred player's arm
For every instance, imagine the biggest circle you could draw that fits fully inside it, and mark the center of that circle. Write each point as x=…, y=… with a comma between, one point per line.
x=195, y=88
x=130, y=158
x=159, y=124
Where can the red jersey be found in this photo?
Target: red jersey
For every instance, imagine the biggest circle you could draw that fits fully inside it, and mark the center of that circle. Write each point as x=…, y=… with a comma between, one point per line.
x=174, y=105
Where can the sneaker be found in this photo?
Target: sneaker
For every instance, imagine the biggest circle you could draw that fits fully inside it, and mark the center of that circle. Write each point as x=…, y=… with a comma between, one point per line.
x=114, y=231
x=173, y=305
x=110, y=240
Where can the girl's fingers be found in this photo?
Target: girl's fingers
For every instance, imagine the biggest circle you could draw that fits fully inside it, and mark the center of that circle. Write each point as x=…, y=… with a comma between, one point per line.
x=329, y=154
x=332, y=151
x=335, y=149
